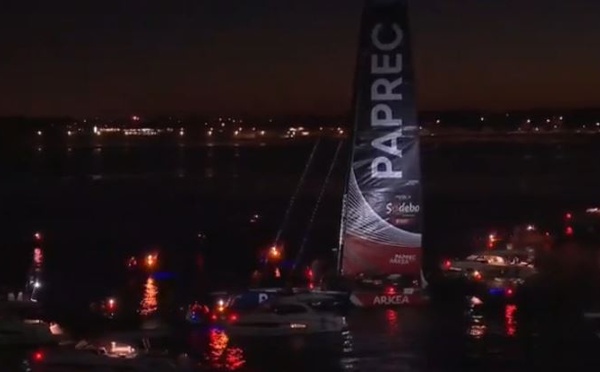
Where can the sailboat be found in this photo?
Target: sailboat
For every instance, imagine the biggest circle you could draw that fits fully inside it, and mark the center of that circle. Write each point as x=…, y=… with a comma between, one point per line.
x=381, y=228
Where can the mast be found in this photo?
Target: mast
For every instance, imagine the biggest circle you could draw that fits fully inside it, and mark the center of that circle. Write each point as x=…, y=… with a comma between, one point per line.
x=34, y=277
x=340, y=249
x=381, y=212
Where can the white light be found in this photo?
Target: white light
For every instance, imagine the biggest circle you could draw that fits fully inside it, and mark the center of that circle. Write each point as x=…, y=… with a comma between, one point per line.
x=39, y=132
x=297, y=325
x=476, y=301
x=96, y=129
x=37, y=284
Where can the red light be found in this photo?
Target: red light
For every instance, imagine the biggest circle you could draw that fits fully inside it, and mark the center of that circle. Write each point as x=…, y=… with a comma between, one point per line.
x=390, y=291
x=492, y=239
x=477, y=275
x=509, y=292
x=213, y=317
x=309, y=273
x=447, y=264
x=233, y=317
x=38, y=356
x=38, y=236
x=569, y=230
x=509, y=317
x=568, y=216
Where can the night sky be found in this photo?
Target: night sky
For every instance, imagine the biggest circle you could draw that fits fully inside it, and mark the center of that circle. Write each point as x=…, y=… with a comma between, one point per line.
x=112, y=57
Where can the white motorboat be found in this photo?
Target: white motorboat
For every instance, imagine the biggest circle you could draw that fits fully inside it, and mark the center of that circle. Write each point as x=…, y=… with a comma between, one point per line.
x=304, y=314
x=100, y=356
x=485, y=263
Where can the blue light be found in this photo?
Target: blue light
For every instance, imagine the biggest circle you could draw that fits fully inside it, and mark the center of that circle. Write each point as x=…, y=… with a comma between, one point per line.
x=163, y=276
x=287, y=264
x=496, y=291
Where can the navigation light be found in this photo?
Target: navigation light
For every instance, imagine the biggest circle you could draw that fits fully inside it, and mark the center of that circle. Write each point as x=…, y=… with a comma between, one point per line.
x=38, y=356
x=151, y=260
x=111, y=304
x=274, y=252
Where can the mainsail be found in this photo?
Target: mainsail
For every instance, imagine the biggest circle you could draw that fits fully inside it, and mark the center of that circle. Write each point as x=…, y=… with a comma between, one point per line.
x=382, y=217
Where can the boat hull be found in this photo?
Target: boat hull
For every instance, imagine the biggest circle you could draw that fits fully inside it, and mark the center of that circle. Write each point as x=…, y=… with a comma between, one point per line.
x=245, y=331
x=372, y=299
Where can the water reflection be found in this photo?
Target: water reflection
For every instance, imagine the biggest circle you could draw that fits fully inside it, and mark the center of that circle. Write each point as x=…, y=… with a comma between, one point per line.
x=149, y=303
x=391, y=316
x=510, y=322
x=482, y=324
x=220, y=355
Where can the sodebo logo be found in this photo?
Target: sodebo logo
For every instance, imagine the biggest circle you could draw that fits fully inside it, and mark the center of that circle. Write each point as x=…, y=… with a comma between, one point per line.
x=402, y=208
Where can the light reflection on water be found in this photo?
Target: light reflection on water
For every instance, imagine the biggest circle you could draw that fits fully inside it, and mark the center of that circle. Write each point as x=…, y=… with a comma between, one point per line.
x=221, y=355
x=149, y=303
x=393, y=322
x=511, y=323
x=480, y=326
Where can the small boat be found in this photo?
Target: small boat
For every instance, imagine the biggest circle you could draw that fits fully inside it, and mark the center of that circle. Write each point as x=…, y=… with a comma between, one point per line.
x=298, y=314
x=104, y=355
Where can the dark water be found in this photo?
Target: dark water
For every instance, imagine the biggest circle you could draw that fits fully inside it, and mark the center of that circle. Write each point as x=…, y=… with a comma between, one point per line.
x=98, y=206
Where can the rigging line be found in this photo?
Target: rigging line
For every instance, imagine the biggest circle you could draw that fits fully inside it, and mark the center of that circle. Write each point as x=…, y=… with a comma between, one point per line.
x=286, y=216
x=317, y=205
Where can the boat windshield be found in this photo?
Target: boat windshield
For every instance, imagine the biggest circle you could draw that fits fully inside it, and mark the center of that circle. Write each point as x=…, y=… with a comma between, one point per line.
x=511, y=272
x=282, y=309
x=326, y=306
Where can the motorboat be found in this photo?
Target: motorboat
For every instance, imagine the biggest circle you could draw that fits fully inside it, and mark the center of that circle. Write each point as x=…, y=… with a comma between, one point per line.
x=101, y=355
x=499, y=285
x=297, y=314
x=21, y=324
x=197, y=313
x=250, y=300
x=477, y=264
